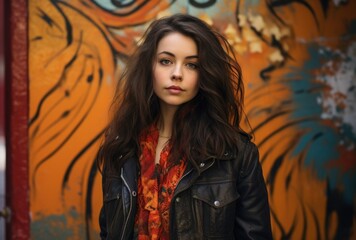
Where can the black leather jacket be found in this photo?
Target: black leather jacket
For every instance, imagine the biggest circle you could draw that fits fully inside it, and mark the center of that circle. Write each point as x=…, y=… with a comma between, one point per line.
x=225, y=199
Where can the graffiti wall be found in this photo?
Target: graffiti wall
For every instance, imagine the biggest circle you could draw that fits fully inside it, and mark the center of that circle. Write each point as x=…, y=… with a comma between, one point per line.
x=299, y=65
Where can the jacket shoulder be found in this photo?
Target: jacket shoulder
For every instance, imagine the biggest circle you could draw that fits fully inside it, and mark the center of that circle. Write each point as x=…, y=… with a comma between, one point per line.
x=247, y=155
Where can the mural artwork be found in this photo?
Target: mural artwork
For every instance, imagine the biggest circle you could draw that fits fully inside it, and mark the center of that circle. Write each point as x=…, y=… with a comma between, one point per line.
x=299, y=63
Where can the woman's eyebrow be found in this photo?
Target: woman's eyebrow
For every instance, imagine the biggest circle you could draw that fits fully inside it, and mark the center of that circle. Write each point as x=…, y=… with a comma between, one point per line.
x=171, y=54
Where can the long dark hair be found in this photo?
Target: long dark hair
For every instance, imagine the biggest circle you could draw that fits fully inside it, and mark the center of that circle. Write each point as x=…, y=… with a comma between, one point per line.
x=202, y=128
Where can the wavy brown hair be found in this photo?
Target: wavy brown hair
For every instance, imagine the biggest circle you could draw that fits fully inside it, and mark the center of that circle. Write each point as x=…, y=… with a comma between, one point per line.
x=202, y=128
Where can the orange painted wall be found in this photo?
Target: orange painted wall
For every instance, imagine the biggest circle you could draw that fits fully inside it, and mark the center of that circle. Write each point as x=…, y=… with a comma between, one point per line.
x=298, y=60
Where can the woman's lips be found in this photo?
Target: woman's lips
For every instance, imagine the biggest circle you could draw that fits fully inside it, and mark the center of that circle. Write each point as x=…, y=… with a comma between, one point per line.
x=174, y=89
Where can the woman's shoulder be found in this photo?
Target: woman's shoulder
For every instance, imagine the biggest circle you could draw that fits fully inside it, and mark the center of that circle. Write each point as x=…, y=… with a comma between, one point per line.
x=247, y=154
x=241, y=147
x=243, y=143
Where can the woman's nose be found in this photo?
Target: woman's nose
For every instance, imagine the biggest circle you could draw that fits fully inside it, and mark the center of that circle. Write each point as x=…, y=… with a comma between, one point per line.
x=177, y=73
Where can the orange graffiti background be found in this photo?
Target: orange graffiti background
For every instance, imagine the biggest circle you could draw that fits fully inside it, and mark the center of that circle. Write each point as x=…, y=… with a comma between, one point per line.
x=77, y=50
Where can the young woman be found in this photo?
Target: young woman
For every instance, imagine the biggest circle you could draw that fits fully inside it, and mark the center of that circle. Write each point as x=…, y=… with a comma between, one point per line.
x=176, y=164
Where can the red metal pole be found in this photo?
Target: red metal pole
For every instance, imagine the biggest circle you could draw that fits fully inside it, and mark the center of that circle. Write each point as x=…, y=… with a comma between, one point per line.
x=16, y=122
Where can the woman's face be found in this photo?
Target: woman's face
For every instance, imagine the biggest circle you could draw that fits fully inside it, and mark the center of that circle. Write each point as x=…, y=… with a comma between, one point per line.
x=175, y=70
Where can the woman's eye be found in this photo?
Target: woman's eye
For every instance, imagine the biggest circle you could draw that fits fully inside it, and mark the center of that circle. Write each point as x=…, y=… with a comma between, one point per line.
x=192, y=65
x=164, y=61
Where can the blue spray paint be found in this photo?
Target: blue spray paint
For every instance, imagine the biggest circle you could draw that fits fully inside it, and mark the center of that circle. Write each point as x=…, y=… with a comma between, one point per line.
x=320, y=141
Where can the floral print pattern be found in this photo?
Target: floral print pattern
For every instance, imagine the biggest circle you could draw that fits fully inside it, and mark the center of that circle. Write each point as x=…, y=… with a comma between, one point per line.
x=156, y=186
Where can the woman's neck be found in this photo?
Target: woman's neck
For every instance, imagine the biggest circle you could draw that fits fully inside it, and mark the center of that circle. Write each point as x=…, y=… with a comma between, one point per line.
x=165, y=123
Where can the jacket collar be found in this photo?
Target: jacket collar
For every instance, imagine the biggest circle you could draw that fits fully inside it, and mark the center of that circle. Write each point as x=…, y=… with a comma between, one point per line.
x=130, y=170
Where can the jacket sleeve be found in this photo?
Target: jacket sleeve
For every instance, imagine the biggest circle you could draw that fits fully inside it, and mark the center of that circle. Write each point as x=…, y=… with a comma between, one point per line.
x=111, y=215
x=102, y=224
x=253, y=214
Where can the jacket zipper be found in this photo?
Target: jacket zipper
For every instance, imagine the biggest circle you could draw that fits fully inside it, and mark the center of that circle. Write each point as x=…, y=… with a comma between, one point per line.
x=128, y=215
x=175, y=194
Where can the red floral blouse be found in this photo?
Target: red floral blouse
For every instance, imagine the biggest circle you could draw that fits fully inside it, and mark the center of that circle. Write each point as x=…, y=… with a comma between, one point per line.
x=156, y=186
